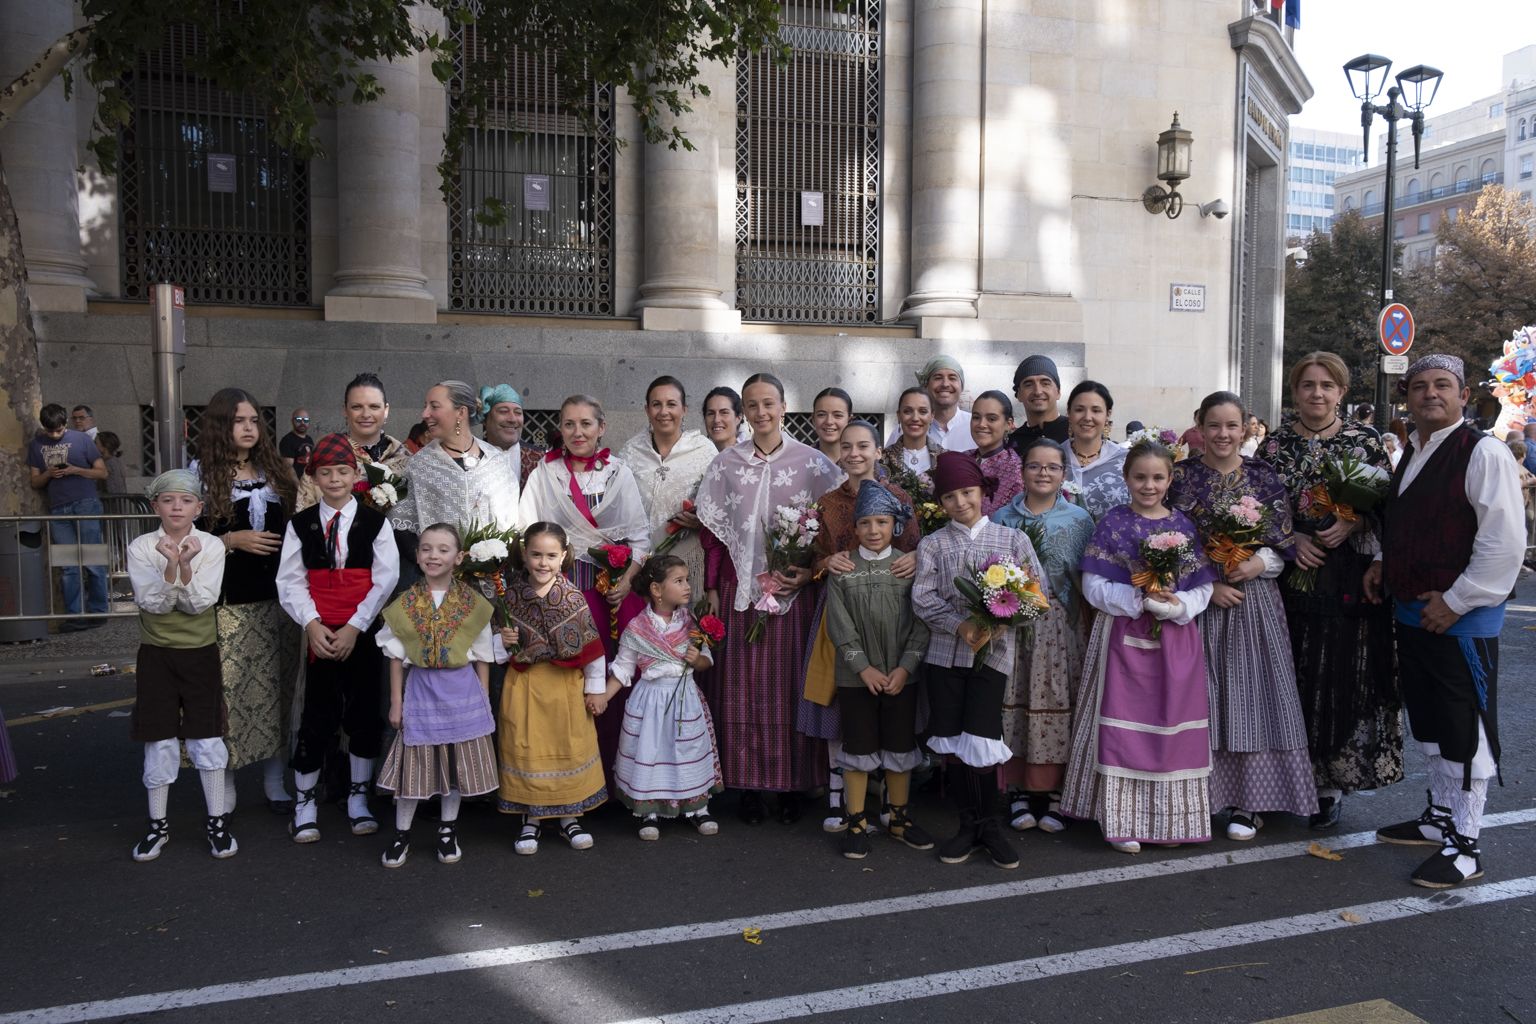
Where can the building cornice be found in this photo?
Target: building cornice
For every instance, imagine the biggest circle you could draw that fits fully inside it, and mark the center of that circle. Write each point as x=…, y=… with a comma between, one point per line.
x=1260, y=41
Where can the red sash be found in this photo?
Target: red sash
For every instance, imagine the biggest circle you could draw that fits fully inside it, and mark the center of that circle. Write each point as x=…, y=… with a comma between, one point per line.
x=337, y=593
x=577, y=498
x=591, y=652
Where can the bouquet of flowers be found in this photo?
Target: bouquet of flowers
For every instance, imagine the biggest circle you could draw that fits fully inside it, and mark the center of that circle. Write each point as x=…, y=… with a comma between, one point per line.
x=1165, y=436
x=611, y=560
x=1235, y=531
x=1162, y=553
x=931, y=517
x=1072, y=491
x=708, y=630
x=675, y=532
x=1000, y=594
x=487, y=559
x=380, y=486
x=1350, y=486
x=1514, y=378
x=792, y=534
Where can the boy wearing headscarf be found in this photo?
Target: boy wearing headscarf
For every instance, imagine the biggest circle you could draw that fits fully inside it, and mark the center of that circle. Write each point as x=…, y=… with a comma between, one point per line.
x=965, y=695
x=177, y=571
x=880, y=645
x=338, y=565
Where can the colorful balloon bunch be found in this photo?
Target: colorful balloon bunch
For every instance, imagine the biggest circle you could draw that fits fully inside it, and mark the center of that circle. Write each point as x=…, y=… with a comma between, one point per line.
x=1514, y=377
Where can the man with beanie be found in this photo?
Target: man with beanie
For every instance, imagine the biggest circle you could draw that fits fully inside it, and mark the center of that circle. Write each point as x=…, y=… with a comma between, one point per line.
x=965, y=695
x=1452, y=541
x=177, y=571
x=338, y=566
x=1037, y=386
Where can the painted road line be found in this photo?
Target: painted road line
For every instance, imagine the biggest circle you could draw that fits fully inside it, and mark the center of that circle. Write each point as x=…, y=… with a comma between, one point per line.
x=69, y=712
x=1375, y=1011
x=559, y=949
x=1039, y=968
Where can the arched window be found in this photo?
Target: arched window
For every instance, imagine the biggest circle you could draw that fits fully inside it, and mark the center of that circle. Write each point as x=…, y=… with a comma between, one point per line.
x=1463, y=176
x=1488, y=171
x=1411, y=193
x=530, y=219
x=808, y=149
x=1436, y=180
x=207, y=198
x=1522, y=130
x=1367, y=201
x=1349, y=202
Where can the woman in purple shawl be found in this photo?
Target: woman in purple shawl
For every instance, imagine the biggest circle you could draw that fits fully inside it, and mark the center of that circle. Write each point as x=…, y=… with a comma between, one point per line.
x=1141, y=759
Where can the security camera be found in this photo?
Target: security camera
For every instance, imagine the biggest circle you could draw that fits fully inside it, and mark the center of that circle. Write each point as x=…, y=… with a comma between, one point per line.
x=1217, y=208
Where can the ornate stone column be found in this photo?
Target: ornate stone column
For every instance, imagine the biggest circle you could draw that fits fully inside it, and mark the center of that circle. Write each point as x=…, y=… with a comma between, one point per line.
x=946, y=159
x=378, y=170
x=682, y=208
x=40, y=160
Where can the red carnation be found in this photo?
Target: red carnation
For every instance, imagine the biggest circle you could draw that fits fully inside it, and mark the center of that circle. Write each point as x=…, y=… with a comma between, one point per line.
x=618, y=556
x=713, y=628
x=688, y=505
x=361, y=487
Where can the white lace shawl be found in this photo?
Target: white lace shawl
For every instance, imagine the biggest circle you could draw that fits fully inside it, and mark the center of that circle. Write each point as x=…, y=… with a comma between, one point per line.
x=665, y=484
x=611, y=494
x=440, y=491
x=740, y=491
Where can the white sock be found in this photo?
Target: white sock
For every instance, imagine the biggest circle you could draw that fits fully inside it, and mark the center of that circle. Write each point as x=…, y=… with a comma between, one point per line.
x=834, y=755
x=213, y=790
x=272, y=771
x=158, y=797
x=1467, y=808
x=362, y=771
x=229, y=792
x=304, y=811
x=699, y=811
x=405, y=813
x=567, y=820
x=450, y=808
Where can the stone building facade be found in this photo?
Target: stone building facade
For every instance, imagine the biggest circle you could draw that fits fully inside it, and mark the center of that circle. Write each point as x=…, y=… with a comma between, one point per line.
x=923, y=176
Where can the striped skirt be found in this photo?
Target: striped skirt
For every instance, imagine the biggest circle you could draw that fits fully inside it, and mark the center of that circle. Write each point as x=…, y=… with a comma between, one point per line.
x=1258, y=736
x=667, y=764
x=416, y=773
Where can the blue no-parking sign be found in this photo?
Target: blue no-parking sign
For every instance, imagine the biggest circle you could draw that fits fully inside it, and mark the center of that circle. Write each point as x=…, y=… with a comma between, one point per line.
x=1394, y=328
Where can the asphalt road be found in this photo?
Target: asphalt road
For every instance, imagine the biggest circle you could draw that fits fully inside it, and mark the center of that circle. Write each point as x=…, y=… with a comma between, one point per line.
x=1226, y=932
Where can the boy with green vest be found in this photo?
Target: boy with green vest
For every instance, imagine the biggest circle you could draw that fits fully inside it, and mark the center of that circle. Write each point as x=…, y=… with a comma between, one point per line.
x=177, y=571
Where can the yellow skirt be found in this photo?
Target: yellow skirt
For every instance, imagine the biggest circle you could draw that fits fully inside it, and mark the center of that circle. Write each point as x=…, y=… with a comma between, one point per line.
x=547, y=745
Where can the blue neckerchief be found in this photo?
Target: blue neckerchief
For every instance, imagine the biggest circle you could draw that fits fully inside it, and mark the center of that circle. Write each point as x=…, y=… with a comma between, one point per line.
x=1477, y=624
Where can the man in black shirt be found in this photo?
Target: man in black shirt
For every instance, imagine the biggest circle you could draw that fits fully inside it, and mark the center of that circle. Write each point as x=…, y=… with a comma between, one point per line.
x=1037, y=386
x=297, y=444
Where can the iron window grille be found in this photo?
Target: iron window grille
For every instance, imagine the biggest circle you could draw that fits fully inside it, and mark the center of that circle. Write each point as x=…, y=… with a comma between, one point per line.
x=557, y=261
x=808, y=138
x=193, y=415
x=801, y=426
x=208, y=199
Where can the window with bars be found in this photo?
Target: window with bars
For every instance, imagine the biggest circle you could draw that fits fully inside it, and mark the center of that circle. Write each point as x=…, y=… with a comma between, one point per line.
x=808, y=168
x=207, y=199
x=192, y=415
x=541, y=427
x=551, y=178
x=801, y=426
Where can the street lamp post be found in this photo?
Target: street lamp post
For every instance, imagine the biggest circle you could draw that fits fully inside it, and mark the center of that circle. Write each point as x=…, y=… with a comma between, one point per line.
x=1367, y=74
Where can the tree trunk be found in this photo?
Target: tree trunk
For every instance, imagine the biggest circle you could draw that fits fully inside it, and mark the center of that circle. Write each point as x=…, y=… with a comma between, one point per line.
x=20, y=383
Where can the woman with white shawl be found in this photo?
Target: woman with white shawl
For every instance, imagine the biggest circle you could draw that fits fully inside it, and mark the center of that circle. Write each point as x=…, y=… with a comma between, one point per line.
x=456, y=478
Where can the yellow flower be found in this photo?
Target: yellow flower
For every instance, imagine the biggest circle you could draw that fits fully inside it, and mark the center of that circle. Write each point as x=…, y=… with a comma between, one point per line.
x=995, y=576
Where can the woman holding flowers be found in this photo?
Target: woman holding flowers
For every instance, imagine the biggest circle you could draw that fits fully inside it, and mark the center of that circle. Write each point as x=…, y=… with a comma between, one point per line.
x=1141, y=756
x=1095, y=464
x=1258, y=739
x=668, y=463
x=910, y=453
x=991, y=424
x=751, y=584
x=1342, y=644
x=366, y=411
x=1037, y=704
x=593, y=497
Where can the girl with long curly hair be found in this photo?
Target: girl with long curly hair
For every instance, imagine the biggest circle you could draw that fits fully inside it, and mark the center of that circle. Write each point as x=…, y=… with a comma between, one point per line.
x=249, y=492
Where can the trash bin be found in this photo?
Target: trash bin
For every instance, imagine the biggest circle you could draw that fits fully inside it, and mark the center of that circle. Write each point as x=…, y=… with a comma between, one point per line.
x=23, y=582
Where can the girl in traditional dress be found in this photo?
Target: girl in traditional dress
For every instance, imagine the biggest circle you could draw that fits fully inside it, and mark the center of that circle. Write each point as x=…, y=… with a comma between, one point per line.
x=909, y=452
x=830, y=412
x=667, y=765
x=991, y=424
x=547, y=742
x=1094, y=462
x=437, y=637
x=1037, y=704
x=722, y=418
x=759, y=684
x=1141, y=755
x=668, y=463
x=456, y=478
x=1258, y=738
x=1341, y=642
x=250, y=492
x=817, y=712
x=594, y=498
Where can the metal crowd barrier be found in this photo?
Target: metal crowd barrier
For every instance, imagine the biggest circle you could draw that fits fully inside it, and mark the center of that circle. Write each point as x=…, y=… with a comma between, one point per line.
x=29, y=558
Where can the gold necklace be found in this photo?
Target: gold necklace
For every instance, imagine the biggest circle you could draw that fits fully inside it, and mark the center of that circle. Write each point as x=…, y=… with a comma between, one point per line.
x=1084, y=460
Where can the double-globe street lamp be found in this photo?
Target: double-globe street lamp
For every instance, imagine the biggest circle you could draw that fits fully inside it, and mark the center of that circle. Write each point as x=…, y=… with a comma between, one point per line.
x=1367, y=75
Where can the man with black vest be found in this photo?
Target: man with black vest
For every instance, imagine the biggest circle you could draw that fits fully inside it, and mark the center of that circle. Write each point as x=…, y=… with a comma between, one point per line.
x=1452, y=541
x=338, y=565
